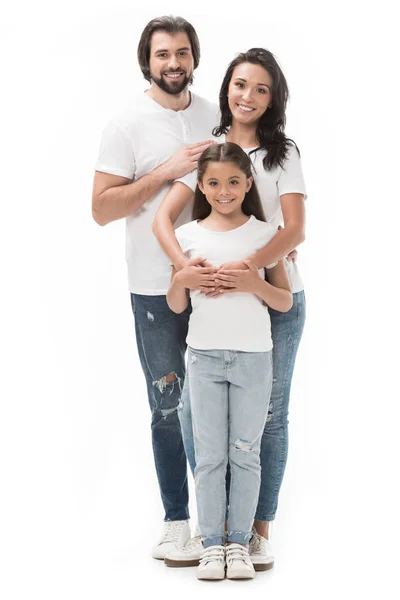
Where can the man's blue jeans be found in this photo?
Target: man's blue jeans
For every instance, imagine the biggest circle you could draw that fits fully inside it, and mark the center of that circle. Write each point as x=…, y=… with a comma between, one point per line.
x=286, y=329
x=160, y=336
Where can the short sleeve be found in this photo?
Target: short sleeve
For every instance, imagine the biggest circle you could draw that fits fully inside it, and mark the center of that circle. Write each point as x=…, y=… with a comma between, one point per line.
x=190, y=180
x=116, y=154
x=182, y=240
x=291, y=179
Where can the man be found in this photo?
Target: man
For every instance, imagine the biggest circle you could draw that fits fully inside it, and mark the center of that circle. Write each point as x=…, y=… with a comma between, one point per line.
x=153, y=142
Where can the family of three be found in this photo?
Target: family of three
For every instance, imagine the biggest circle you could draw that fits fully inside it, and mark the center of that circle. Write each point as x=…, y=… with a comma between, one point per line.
x=215, y=195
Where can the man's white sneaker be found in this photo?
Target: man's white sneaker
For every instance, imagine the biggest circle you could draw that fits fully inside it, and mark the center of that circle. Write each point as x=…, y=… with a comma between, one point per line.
x=212, y=563
x=238, y=563
x=176, y=535
x=260, y=552
x=189, y=556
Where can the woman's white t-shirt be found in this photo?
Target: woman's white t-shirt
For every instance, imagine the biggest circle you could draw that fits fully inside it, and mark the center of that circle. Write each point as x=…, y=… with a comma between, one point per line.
x=271, y=186
x=235, y=321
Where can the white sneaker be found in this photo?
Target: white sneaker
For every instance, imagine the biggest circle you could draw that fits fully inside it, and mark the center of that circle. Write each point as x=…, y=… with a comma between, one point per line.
x=212, y=563
x=260, y=552
x=176, y=535
x=189, y=556
x=238, y=563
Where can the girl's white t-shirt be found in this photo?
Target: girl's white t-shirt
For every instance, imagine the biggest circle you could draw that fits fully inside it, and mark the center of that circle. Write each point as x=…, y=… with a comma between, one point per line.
x=235, y=321
x=271, y=186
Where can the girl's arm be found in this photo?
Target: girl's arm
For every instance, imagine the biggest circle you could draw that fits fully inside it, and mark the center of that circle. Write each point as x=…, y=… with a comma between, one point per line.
x=163, y=225
x=177, y=294
x=275, y=292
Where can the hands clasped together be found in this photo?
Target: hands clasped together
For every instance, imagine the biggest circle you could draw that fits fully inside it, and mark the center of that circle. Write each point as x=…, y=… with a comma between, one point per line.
x=238, y=276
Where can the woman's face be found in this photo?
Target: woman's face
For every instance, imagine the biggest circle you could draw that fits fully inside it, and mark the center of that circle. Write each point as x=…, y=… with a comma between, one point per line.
x=249, y=93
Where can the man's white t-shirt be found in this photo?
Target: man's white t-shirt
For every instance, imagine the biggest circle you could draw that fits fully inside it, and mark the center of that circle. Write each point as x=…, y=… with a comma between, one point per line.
x=235, y=321
x=271, y=186
x=133, y=144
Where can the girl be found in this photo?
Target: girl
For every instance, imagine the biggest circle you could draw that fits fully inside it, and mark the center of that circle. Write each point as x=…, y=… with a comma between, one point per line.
x=229, y=355
x=253, y=100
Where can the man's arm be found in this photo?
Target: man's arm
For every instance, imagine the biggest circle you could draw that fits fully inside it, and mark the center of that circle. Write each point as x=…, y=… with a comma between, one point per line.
x=116, y=197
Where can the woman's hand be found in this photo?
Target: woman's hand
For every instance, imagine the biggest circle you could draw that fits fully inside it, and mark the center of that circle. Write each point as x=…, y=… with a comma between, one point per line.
x=238, y=280
x=198, y=274
x=292, y=256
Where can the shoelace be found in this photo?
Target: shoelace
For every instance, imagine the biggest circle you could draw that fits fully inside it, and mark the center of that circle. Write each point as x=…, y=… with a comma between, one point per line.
x=195, y=541
x=236, y=553
x=256, y=543
x=172, y=531
x=211, y=554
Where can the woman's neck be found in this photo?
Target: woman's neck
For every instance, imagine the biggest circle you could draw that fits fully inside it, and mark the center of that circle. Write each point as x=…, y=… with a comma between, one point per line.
x=243, y=135
x=219, y=222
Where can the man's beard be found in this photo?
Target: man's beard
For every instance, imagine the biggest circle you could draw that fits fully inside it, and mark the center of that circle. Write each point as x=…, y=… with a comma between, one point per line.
x=172, y=87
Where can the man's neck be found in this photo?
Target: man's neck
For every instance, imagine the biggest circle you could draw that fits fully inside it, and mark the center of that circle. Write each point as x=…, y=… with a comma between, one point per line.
x=242, y=135
x=170, y=101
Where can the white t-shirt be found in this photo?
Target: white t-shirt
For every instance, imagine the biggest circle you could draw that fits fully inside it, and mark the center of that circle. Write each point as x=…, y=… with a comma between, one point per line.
x=271, y=186
x=133, y=144
x=238, y=321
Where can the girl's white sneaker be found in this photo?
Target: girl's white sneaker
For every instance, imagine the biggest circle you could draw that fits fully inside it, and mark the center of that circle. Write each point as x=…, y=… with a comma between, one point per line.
x=238, y=563
x=212, y=563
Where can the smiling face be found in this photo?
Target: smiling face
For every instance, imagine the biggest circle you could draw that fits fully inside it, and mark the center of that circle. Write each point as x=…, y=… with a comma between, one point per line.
x=171, y=61
x=249, y=92
x=225, y=186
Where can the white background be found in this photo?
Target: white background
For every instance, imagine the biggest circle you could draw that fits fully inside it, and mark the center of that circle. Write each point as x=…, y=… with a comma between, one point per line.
x=80, y=503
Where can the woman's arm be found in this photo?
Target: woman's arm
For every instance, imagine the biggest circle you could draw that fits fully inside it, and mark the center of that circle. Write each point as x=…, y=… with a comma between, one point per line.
x=163, y=225
x=288, y=238
x=285, y=240
x=177, y=294
x=275, y=292
x=196, y=274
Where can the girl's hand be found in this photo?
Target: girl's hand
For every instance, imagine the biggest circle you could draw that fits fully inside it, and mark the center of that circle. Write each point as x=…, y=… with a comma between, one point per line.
x=238, y=280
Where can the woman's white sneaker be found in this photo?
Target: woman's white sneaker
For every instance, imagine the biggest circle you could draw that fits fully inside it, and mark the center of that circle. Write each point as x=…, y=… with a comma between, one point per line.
x=238, y=563
x=212, y=563
x=176, y=535
x=260, y=552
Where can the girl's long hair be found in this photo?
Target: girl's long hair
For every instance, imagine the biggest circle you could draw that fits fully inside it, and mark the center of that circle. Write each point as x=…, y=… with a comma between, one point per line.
x=271, y=126
x=223, y=153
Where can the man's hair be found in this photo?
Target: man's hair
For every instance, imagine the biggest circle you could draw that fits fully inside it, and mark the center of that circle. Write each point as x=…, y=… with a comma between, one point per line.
x=170, y=25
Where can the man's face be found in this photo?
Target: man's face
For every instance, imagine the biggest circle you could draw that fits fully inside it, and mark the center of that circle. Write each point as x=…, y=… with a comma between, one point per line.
x=171, y=61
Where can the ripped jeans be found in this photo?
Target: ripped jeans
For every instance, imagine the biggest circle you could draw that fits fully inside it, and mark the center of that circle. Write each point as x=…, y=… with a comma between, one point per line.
x=229, y=394
x=160, y=336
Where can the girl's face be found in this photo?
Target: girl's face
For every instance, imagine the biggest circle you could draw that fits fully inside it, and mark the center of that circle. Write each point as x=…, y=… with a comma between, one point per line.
x=249, y=93
x=225, y=186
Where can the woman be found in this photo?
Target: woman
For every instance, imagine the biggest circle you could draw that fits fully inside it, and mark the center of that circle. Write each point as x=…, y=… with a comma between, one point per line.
x=253, y=99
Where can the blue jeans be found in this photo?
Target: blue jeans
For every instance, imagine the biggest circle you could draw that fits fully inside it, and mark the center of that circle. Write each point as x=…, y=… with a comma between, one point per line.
x=160, y=336
x=229, y=394
x=286, y=329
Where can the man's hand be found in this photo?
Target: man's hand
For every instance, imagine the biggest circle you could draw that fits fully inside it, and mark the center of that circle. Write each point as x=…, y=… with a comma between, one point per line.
x=239, y=280
x=184, y=161
x=198, y=275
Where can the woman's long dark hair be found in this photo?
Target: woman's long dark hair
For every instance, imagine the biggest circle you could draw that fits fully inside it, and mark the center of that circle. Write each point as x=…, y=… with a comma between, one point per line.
x=223, y=153
x=271, y=127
